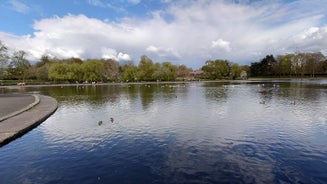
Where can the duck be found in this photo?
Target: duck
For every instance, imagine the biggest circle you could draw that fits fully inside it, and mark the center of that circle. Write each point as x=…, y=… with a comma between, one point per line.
x=100, y=123
x=265, y=91
x=112, y=120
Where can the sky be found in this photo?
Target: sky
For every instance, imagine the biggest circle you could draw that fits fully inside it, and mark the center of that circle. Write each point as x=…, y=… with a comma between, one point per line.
x=186, y=32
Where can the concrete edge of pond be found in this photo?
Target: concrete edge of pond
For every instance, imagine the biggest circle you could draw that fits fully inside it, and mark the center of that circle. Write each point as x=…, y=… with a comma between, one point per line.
x=27, y=118
x=36, y=101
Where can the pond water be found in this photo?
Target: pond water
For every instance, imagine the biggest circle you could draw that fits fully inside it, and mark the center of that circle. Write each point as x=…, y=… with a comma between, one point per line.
x=201, y=132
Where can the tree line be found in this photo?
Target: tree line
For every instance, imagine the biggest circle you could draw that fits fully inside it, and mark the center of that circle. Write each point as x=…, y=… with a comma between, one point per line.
x=223, y=69
x=15, y=66
x=291, y=65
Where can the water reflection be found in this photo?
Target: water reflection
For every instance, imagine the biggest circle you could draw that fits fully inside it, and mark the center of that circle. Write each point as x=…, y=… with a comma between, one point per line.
x=101, y=94
x=176, y=133
x=214, y=92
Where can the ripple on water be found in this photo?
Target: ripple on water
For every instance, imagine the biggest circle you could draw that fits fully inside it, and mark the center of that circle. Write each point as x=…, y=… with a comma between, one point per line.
x=199, y=133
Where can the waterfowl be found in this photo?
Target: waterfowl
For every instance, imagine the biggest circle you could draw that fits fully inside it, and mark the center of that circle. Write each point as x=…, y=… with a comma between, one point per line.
x=276, y=86
x=265, y=91
x=100, y=123
x=112, y=120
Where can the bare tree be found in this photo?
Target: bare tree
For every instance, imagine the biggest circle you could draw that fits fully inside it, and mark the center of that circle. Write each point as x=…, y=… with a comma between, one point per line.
x=3, y=59
x=19, y=64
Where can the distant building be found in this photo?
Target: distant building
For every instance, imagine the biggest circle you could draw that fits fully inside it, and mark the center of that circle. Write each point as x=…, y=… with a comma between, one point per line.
x=244, y=75
x=196, y=73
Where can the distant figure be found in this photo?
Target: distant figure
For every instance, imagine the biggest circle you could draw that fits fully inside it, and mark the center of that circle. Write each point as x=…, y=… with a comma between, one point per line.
x=100, y=123
x=112, y=120
x=293, y=102
x=21, y=84
x=263, y=102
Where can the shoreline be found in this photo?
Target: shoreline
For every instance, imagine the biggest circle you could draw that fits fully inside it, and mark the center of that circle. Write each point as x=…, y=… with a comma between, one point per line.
x=250, y=80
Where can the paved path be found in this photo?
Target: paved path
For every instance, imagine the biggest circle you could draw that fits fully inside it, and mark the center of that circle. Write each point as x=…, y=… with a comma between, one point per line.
x=21, y=113
x=13, y=104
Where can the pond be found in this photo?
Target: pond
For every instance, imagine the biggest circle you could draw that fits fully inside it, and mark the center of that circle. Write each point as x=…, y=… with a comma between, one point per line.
x=198, y=132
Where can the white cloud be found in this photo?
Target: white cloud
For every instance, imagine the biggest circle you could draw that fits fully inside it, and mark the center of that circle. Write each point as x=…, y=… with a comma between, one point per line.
x=166, y=1
x=134, y=1
x=96, y=3
x=194, y=32
x=117, y=6
x=19, y=6
x=221, y=44
x=312, y=39
x=163, y=52
x=311, y=32
x=152, y=49
x=123, y=57
x=109, y=53
x=103, y=4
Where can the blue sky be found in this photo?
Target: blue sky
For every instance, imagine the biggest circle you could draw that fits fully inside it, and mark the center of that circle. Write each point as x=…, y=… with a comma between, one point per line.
x=21, y=14
x=181, y=31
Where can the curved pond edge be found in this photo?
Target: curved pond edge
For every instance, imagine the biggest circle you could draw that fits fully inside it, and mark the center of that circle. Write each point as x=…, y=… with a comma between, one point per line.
x=36, y=101
x=26, y=119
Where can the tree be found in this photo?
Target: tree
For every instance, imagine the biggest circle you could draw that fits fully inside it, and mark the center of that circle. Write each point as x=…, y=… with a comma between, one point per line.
x=165, y=71
x=43, y=66
x=217, y=69
x=322, y=67
x=183, y=71
x=312, y=60
x=146, y=69
x=64, y=72
x=3, y=59
x=74, y=61
x=42, y=73
x=235, y=72
x=31, y=73
x=266, y=67
x=19, y=64
x=130, y=73
x=256, y=69
x=298, y=62
x=169, y=71
x=92, y=70
x=158, y=72
x=110, y=71
x=285, y=65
